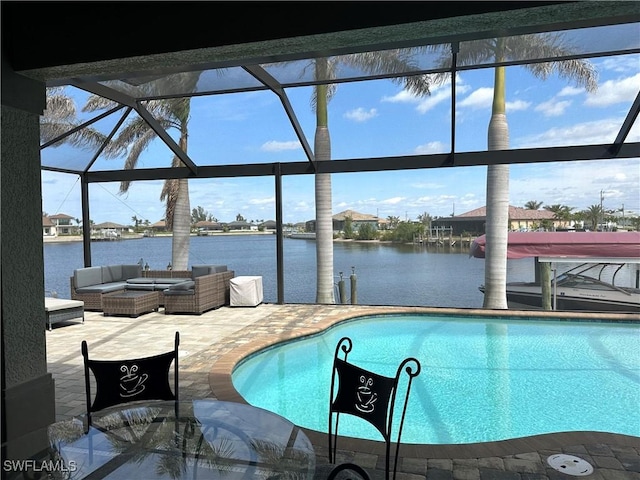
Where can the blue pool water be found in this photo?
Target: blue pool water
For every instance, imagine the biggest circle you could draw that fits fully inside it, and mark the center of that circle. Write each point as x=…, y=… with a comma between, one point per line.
x=481, y=380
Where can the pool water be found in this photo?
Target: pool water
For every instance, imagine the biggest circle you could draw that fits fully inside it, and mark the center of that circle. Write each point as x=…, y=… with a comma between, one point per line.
x=481, y=379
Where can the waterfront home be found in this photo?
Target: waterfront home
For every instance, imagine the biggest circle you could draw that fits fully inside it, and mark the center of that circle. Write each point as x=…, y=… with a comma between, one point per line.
x=357, y=219
x=520, y=220
x=58, y=224
x=204, y=227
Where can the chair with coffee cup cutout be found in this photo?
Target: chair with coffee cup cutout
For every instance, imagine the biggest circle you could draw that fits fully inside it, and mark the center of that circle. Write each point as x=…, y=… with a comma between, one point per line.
x=130, y=380
x=371, y=397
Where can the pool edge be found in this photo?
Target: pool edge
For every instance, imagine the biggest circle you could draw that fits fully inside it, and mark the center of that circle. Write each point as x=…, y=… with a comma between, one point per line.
x=220, y=382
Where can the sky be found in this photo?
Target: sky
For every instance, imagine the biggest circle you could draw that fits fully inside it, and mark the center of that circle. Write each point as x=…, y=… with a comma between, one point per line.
x=380, y=118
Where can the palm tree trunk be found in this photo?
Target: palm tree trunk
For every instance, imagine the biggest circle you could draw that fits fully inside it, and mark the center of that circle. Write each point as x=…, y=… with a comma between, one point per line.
x=497, y=227
x=182, y=212
x=181, y=228
x=324, y=217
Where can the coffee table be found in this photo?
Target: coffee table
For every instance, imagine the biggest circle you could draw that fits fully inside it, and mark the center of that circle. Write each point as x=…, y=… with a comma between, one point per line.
x=130, y=302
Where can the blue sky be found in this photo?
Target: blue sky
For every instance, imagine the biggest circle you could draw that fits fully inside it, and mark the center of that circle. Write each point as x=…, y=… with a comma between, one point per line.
x=379, y=118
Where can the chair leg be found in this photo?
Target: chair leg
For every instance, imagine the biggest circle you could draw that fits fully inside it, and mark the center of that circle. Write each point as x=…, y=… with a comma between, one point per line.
x=362, y=474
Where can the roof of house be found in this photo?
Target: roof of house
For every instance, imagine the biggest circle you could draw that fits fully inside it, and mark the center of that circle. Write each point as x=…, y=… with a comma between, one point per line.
x=108, y=225
x=355, y=216
x=206, y=223
x=159, y=224
x=515, y=213
x=46, y=221
x=61, y=215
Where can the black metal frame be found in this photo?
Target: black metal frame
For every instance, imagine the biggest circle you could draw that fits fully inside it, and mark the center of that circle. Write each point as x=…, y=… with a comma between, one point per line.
x=349, y=398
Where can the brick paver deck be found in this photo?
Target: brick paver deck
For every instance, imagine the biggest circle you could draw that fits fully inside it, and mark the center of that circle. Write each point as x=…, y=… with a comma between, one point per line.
x=213, y=342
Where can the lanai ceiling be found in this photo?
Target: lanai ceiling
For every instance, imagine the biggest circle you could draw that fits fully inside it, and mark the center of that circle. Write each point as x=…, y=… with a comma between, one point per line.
x=136, y=52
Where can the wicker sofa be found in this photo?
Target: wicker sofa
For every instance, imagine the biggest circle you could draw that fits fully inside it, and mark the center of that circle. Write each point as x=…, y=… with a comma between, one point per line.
x=89, y=284
x=207, y=289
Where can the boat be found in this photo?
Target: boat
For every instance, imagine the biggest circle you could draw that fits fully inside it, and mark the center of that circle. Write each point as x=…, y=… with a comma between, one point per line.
x=575, y=290
x=590, y=285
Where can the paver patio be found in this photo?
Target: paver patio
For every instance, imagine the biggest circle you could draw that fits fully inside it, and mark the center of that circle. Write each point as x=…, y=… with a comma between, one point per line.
x=211, y=343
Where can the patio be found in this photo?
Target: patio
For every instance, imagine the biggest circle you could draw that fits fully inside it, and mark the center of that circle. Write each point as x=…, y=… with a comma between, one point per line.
x=213, y=342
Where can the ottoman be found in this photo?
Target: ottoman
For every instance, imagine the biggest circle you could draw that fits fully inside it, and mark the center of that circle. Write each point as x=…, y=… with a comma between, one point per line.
x=245, y=291
x=61, y=309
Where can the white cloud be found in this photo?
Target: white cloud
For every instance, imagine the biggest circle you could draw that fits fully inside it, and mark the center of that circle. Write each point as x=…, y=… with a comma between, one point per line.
x=392, y=201
x=361, y=115
x=430, y=102
x=570, y=91
x=427, y=185
x=275, y=146
x=517, y=105
x=478, y=99
x=262, y=201
x=578, y=184
x=614, y=91
x=403, y=96
x=621, y=63
x=431, y=147
x=553, y=107
x=587, y=133
x=439, y=93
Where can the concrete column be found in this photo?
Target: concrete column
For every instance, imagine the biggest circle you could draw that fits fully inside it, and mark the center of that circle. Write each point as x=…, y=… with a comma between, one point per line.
x=28, y=401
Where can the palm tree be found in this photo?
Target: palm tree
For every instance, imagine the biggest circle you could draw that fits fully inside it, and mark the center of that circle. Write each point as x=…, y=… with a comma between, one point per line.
x=532, y=205
x=560, y=212
x=60, y=117
x=325, y=69
x=581, y=72
x=593, y=214
x=136, y=135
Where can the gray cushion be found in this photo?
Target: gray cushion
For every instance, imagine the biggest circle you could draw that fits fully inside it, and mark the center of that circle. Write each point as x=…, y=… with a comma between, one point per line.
x=142, y=280
x=103, y=288
x=217, y=268
x=168, y=281
x=112, y=273
x=170, y=292
x=199, y=270
x=83, y=277
x=131, y=271
x=140, y=286
x=186, y=285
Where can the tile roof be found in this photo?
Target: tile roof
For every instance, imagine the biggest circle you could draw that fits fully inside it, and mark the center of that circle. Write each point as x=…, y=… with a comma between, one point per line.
x=515, y=213
x=355, y=216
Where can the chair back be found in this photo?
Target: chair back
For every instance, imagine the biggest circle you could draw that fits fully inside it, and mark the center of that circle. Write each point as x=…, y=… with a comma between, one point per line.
x=130, y=380
x=370, y=396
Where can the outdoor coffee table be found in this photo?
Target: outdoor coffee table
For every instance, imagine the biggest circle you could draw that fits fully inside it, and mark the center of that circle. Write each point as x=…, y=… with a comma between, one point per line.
x=61, y=309
x=130, y=302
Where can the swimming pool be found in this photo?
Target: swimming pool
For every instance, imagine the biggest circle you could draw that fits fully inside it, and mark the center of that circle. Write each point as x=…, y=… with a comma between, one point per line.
x=482, y=379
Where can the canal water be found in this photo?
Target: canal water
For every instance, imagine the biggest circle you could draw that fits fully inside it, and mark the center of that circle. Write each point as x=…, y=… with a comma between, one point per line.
x=386, y=274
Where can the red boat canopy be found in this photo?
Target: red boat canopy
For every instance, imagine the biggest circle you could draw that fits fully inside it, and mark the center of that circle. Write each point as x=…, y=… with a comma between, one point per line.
x=566, y=244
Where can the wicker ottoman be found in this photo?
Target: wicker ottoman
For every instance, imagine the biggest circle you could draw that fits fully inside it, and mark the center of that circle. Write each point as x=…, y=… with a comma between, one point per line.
x=61, y=309
x=130, y=302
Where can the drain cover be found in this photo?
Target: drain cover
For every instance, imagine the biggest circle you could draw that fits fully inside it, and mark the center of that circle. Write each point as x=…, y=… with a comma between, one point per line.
x=570, y=465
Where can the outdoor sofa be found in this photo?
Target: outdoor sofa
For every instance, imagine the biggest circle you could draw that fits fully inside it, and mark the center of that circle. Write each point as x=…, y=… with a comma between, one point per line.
x=89, y=284
x=207, y=289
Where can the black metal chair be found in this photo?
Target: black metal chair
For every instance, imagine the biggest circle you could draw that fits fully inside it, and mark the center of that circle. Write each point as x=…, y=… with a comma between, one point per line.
x=130, y=380
x=357, y=472
x=370, y=396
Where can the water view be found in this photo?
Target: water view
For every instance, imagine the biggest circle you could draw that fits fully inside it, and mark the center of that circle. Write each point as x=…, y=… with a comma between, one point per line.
x=387, y=274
